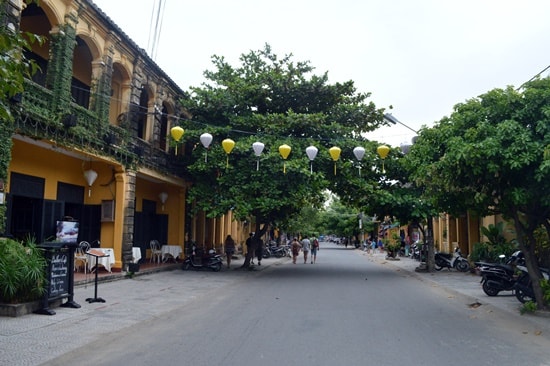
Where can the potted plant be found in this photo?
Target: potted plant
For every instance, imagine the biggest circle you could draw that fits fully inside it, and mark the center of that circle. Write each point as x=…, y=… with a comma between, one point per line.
x=392, y=246
x=22, y=275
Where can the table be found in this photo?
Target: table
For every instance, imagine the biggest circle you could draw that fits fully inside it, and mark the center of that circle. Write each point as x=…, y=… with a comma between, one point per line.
x=106, y=262
x=170, y=250
x=136, y=254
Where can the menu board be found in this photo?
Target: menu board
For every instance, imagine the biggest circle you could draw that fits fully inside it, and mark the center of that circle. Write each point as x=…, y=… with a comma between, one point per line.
x=59, y=274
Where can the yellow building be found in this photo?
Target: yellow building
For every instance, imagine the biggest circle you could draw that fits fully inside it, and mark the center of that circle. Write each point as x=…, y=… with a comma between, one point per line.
x=92, y=139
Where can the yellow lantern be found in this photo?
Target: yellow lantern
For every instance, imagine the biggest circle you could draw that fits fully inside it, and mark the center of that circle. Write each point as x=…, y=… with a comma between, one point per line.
x=335, y=155
x=177, y=133
x=228, y=146
x=284, y=150
x=383, y=151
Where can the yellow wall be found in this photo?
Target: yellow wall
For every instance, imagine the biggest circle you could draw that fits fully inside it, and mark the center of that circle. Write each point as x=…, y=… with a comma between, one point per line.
x=148, y=190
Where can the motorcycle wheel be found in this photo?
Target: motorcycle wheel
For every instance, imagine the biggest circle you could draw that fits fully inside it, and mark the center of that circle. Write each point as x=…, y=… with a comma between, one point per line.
x=216, y=267
x=185, y=266
x=438, y=266
x=463, y=266
x=490, y=291
x=523, y=297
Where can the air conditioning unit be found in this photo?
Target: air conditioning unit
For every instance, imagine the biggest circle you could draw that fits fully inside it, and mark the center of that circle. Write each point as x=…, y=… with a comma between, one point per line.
x=107, y=211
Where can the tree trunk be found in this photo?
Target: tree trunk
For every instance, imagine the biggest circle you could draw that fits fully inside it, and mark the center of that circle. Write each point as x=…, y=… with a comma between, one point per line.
x=526, y=240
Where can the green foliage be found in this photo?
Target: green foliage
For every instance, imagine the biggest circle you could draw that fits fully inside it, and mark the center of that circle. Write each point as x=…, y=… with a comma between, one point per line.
x=392, y=245
x=339, y=220
x=495, y=245
x=276, y=101
x=14, y=67
x=545, y=285
x=22, y=271
x=488, y=157
x=528, y=307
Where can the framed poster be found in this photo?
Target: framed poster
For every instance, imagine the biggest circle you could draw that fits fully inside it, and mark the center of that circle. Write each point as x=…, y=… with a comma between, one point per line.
x=67, y=231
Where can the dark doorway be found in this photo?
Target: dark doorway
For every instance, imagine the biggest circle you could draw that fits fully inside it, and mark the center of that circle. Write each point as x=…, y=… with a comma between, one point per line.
x=148, y=225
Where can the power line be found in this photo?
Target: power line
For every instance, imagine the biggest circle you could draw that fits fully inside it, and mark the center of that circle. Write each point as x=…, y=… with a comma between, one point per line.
x=155, y=31
x=533, y=78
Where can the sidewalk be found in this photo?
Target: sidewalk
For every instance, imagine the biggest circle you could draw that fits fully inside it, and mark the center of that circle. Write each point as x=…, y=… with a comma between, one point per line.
x=459, y=283
x=34, y=339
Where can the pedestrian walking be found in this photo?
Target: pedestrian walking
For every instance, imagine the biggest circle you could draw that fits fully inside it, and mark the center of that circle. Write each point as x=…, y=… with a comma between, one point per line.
x=314, y=249
x=295, y=247
x=249, y=248
x=259, y=245
x=306, y=246
x=373, y=246
x=229, y=246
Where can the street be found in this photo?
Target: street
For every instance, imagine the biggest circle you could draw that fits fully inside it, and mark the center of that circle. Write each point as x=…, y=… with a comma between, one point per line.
x=342, y=310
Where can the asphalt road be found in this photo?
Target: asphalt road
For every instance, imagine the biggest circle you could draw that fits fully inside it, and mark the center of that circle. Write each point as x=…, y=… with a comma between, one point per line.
x=343, y=310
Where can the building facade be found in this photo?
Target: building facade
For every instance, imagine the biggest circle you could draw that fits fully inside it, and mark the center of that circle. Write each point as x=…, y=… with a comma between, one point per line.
x=91, y=138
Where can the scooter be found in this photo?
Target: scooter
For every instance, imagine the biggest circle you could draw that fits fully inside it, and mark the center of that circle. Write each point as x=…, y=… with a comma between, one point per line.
x=524, y=287
x=278, y=251
x=456, y=260
x=212, y=261
x=497, y=277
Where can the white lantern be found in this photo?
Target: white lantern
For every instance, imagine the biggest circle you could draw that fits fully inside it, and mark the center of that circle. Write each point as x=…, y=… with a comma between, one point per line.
x=258, y=147
x=163, y=196
x=359, y=153
x=90, y=175
x=206, y=140
x=311, y=152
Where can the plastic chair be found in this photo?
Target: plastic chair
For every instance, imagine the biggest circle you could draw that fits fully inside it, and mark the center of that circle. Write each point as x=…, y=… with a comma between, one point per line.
x=80, y=256
x=156, y=252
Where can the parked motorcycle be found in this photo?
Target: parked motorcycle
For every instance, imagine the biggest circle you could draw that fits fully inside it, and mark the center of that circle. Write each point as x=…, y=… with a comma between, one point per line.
x=455, y=260
x=211, y=261
x=497, y=277
x=278, y=251
x=416, y=252
x=524, y=287
x=266, y=251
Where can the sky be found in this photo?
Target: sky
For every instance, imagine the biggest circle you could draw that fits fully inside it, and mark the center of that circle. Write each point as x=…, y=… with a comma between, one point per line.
x=419, y=58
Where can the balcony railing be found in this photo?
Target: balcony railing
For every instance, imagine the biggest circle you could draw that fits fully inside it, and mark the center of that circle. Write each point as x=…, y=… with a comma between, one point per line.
x=82, y=129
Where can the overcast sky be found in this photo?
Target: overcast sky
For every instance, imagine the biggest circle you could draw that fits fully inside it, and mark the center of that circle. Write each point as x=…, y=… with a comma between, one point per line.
x=421, y=57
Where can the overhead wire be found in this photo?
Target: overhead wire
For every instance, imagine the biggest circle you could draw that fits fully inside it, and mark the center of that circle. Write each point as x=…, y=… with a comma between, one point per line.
x=157, y=17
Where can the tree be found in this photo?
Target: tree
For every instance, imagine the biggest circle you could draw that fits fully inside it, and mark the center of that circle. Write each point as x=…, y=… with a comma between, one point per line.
x=276, y=101
x=491, y=156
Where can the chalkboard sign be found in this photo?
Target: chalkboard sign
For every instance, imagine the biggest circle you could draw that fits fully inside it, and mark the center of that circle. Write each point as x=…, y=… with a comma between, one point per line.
x=59, y=274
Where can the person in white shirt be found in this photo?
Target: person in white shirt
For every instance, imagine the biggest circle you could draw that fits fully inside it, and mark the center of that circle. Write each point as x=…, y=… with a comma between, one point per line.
x=306, y=245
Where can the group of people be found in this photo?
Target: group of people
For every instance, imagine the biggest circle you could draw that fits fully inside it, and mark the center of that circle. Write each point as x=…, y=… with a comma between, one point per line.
x=230, y=246
x=306, y=245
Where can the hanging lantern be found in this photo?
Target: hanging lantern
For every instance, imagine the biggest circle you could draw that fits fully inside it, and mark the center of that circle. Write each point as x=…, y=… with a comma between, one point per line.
x=359, y=153
x=258, y=147
x=228, y=146
x=163, y=196
x=311, y=152
x=90, y=175
x=177, y=132
x=335, y=155
x=206, y=140
x=383, y=151
x=284, y=150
